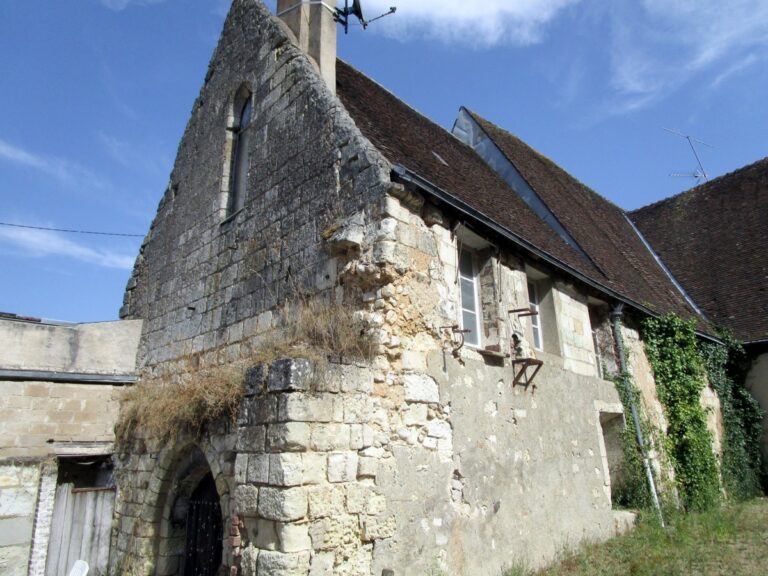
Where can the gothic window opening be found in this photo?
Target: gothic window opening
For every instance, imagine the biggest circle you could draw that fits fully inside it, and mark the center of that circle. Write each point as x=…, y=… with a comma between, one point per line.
x=240, y=164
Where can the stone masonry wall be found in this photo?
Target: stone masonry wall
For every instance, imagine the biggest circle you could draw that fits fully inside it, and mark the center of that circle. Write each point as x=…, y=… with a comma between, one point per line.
x=477, y=473
x=296, y=476
x=206, y=284
x=33, y=414
x=18, y=496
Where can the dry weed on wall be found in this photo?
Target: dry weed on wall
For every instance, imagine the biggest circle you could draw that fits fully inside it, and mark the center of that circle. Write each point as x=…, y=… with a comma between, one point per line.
x=191, y=396
x=162, y=408
x=314, y=329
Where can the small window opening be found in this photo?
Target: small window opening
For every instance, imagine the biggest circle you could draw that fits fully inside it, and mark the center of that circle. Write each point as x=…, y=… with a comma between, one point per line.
x=240, y=158
x=470, y=301
x=535, y=305
x=612, y=452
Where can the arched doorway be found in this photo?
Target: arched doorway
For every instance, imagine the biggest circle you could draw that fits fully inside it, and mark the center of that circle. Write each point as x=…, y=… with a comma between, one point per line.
x=204, y=532
x=191, y=522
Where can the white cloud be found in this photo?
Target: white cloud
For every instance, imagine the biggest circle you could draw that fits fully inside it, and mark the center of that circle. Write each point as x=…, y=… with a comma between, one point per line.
x=481, y=23
x=659, y=45
x=118, y=5
x=41, y=243
x=62, y=170
x=735, y=69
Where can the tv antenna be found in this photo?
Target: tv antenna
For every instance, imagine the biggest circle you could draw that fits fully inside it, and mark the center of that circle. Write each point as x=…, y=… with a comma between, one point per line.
x=343, y=14
x=700, y=174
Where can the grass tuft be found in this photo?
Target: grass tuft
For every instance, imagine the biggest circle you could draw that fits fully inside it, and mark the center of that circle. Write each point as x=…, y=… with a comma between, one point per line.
x=163, y=408
x=317, y=330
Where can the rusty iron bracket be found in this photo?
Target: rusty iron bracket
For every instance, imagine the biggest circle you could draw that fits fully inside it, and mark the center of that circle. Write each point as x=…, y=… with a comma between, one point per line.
x=522, y=312
x=456, y=345
x=524, y=364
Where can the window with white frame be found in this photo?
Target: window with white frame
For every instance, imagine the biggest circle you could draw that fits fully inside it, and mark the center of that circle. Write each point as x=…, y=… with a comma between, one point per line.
x=471, y=315
x=535, y=305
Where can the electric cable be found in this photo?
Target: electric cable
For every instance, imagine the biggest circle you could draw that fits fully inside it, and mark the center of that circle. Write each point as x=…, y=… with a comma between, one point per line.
x=71, y=231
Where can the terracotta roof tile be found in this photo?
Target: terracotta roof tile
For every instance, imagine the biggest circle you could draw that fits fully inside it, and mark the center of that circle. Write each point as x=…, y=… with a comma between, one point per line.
x=714, y=239
x=408, y=138
x=599, y=226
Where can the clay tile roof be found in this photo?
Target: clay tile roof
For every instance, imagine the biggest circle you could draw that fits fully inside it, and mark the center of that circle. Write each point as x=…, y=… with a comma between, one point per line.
x=714, y=239
x=598, y=226
x=617, y=257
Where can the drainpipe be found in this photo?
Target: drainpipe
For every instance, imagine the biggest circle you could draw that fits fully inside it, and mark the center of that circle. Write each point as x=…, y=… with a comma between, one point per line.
x=616, y=315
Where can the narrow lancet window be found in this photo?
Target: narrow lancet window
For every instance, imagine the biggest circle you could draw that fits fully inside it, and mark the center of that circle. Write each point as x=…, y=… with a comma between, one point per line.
x=240, y=160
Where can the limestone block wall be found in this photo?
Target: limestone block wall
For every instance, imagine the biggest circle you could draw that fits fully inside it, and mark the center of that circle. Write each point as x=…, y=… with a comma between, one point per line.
x=296, y=474
x=574, y=329
x=209, y=283
x=34, y=415
x=18, y=497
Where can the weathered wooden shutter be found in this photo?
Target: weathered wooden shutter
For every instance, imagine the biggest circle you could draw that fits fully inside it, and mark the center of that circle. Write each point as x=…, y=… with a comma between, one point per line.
x=80, y=529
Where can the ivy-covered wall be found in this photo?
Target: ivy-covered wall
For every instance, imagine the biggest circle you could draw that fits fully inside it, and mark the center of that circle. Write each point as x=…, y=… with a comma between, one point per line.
x=683, y=367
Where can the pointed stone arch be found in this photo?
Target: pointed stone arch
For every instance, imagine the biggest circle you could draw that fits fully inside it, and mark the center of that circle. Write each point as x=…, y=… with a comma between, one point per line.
x=179, y=474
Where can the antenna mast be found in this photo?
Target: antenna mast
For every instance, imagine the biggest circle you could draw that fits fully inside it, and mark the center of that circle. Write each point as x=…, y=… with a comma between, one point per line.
x=343, y=14
x=700, y=173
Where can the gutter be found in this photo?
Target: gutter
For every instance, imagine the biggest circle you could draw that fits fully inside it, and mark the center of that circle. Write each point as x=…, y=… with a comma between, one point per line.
x=410, y=177
x=67, y=377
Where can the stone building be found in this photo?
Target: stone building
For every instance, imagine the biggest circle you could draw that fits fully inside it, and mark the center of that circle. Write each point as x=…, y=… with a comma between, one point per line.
x=720, y=227
x=60, y=398
x=495, y=289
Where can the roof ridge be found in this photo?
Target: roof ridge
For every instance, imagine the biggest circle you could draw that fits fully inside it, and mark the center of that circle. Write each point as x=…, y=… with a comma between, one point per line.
x=701, y=187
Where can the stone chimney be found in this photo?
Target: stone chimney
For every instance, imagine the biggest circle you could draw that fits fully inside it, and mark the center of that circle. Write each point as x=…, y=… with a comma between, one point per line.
x=314, y=27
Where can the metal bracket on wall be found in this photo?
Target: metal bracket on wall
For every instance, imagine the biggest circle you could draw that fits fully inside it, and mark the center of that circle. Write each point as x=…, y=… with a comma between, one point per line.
x=523, y=312
x=522, y=377
x=454, y=331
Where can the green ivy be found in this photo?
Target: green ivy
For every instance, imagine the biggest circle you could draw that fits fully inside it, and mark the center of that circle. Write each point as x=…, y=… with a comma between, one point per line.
x=672, y=349
x=742, y=417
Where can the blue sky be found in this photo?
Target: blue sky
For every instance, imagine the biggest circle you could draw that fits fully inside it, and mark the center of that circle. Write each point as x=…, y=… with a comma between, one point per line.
x=96, y=93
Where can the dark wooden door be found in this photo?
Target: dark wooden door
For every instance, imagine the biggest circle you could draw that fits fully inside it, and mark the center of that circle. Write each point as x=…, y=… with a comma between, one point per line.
x=204, y=530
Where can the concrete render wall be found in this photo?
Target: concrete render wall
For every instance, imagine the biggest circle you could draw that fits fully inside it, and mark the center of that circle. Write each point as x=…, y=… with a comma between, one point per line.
x=102, y=348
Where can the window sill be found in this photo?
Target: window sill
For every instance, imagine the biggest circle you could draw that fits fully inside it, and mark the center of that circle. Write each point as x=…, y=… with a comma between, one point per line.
x=491, y=353
x=229, y=219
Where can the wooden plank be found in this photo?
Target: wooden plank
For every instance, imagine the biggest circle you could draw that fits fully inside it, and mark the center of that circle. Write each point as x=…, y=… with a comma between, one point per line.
x=75, y=536
x=88, y=503
x=56, y=559
x=105, y=530
x=81, y=529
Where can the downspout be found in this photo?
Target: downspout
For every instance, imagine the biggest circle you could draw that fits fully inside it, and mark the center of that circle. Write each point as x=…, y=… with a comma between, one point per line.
x=616, y=315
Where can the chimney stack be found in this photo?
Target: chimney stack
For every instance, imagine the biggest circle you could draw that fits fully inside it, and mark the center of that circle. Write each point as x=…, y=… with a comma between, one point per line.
x=314, y=26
